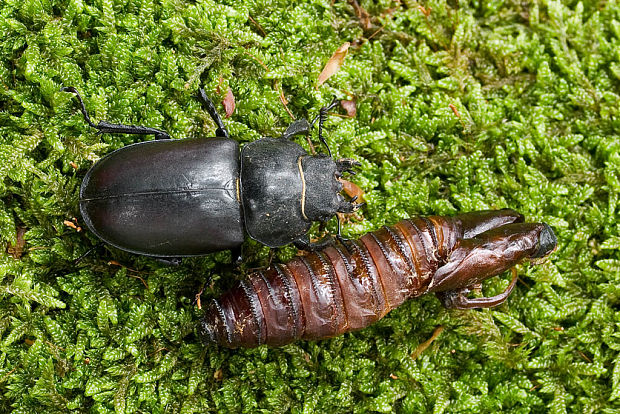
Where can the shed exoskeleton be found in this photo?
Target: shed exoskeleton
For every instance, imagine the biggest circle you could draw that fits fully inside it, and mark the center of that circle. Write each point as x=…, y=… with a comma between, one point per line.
x=348, y=286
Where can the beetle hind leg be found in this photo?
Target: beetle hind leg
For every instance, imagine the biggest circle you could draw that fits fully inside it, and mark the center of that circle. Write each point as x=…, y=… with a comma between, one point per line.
x=104, y=127
x=221, y=130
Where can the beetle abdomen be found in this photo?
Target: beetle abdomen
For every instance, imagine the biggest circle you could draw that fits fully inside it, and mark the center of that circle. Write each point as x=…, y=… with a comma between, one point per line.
x=166, y=198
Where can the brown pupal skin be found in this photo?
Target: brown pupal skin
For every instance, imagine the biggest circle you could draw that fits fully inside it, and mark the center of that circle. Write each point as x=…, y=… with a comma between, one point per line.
x=349, y=286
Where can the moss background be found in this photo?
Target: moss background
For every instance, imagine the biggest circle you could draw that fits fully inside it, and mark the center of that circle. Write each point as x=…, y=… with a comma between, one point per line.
x=536, y=86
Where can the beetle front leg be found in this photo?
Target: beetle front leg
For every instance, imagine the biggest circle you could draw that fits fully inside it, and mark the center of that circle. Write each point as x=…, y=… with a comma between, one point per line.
x=457, y=299
x=299, y=127
x=105, y=127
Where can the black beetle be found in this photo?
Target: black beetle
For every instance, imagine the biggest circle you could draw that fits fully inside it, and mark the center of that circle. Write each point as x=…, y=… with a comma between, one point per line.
x=189, y=197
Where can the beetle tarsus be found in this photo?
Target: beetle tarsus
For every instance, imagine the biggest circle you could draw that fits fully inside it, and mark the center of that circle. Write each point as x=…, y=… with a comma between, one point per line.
x=82, y=106
x=221, y=130
x=105, y=127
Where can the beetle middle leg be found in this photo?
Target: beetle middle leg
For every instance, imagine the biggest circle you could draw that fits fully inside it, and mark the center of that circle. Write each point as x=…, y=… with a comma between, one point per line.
x=105, y=127
x=304, y=243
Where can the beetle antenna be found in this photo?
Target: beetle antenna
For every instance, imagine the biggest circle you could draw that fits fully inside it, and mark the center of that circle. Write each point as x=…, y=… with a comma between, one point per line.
x=322, y=117
x=347, y=165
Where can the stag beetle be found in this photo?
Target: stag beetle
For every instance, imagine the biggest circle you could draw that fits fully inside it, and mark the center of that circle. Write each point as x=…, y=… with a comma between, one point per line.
x=171, y=198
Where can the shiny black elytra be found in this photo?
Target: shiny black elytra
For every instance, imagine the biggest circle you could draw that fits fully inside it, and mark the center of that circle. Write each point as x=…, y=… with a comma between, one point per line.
x=189, y=197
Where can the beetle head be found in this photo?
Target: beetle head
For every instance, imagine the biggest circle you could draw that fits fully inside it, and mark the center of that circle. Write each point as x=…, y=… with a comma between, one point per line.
x=322, y=187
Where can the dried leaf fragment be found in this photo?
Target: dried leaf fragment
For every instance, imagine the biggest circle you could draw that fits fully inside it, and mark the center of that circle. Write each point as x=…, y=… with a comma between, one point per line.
x=229, y=103
x=361, y=14
x=17, y=250
x=352, y=190
x=334, y=63
x=72, y=224
x=350, y=107
x=425, y=11
x=422, y=347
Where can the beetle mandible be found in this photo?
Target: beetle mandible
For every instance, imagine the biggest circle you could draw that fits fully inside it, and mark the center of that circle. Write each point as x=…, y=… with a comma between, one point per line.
x=173, y=198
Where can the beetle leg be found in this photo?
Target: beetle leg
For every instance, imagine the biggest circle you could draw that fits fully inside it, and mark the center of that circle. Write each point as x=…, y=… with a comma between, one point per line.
x=300, y=126
x=105, y=127
x=169, y=261
x=304, y=243
x=457, y=299
x=221, y=130
x=236, y=256
x=89, y=251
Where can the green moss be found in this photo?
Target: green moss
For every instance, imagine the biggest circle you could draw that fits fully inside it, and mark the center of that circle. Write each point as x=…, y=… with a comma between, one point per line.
x=537, y=90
